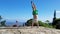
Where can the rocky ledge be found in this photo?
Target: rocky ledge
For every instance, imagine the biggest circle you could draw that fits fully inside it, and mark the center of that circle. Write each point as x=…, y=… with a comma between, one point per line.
x=28, y=30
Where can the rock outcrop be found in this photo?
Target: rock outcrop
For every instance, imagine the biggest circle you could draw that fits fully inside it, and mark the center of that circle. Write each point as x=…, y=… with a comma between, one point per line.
x=28, y=30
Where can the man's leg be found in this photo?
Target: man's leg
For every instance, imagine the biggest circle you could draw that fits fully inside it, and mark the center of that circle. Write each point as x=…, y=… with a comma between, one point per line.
x=37, y=24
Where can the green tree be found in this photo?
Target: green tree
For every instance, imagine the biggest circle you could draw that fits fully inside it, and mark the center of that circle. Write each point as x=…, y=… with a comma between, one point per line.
x=47, y=21
x=57, y=23
x=2, y=22
x=29, y=22
x=0, y=18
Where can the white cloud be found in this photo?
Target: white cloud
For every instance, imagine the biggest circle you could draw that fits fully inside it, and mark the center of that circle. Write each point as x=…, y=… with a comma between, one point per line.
x=57, y=11
x=58, y=14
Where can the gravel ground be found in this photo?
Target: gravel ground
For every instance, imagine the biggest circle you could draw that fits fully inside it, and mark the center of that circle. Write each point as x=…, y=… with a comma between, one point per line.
x=28, y=30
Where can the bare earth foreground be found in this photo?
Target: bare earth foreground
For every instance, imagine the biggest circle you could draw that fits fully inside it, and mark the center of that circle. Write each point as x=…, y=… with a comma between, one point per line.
x=28, y=30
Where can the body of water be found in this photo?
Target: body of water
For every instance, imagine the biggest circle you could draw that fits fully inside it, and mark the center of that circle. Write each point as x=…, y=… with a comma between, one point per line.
x=12, y=23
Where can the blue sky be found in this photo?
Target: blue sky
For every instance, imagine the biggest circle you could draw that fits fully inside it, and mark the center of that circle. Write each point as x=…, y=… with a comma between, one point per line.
x=21, y=9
